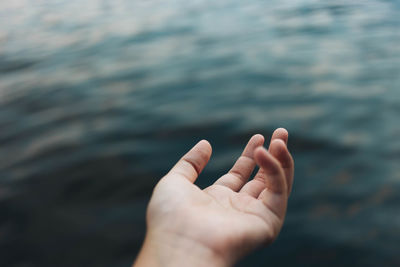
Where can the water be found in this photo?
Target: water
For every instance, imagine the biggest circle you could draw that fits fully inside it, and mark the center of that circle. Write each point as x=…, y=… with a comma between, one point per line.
x=99, y=98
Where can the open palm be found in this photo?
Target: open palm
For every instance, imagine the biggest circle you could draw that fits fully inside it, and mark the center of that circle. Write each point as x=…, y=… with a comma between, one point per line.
x=233, y=215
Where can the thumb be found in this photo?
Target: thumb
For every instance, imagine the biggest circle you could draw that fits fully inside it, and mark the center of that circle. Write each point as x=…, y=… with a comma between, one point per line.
x=193, y=162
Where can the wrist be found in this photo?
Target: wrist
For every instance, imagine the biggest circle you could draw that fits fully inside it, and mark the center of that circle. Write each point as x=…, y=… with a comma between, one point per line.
x=177, y=251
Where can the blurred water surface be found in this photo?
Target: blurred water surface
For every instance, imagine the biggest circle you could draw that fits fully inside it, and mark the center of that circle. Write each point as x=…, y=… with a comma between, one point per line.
x=99, y=98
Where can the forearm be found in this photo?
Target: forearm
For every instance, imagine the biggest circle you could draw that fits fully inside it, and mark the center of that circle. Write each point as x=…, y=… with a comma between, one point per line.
x=176, y=252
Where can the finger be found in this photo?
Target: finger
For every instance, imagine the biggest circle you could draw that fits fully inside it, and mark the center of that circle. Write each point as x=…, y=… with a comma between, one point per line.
x=257, y=185
x=243, y=167
x=280, y=133
x=279, y=150
x=193, y=162
x=274, y=195
x=274, y=177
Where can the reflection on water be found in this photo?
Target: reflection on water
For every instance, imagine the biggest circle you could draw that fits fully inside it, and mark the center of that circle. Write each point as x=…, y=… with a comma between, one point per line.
x=98, y=99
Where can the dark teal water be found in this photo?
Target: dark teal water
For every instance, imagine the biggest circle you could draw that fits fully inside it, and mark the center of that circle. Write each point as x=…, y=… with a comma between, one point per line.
x=99, y=98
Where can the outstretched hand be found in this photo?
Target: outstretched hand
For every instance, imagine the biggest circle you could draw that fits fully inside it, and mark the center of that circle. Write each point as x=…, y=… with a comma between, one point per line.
x=216, y=226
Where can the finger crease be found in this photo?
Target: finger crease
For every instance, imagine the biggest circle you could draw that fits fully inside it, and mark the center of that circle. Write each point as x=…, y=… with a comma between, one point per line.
x=193, y=164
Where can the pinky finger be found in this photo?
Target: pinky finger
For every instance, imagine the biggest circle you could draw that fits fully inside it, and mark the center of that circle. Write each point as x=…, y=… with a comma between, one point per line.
x=274, y=196
x=279, y=150
x=274, y=176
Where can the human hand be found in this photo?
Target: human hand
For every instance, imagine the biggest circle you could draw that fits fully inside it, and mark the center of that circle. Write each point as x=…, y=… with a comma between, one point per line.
x=216, y=226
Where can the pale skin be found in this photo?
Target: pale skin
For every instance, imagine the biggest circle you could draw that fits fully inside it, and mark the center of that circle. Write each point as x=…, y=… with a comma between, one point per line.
x=187, y=226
